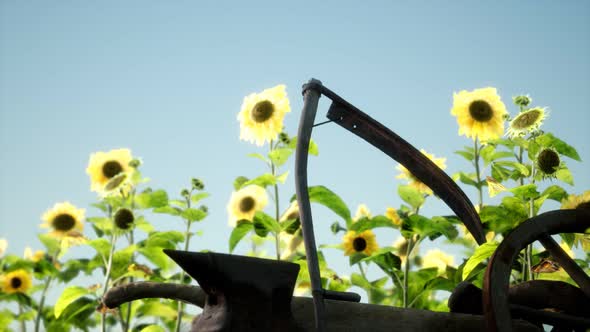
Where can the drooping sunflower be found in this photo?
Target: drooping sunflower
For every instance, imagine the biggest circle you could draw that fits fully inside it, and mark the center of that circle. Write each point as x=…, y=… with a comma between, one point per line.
x=124, y=219
x=480, y=113
x=362, y=211
x=244, y=203
x=526, y=122
x=261, y=116
x=413, y=181
x=18, y=281
x=64, y=219
x=577, y=201
x=108, y=171
x=548, y=162
x=33, y=256
x=437, y=258
x=364, y=242
x=392, y=215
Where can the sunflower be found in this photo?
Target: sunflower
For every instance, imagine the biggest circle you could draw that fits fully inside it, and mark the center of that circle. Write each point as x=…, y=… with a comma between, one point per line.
x=437, y=258
x=364, y=242
x=261, y=116
x=244, y=203
x=64, y=219
x=362, y=211
x=392, y=215
x=18, y=281
x=3, y=246
x=548, y=162
x=577, y=201
x=124, y=219
x=33, y=256
x=526, y=122
x=480, y=113
x=108, y=171
x=413, y=181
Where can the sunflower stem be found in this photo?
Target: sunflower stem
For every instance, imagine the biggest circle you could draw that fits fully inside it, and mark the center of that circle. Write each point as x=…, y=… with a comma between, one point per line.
x=273, y=169
x=182, y=273
x=23, y=326
x=477, y=172
x=42, y=303
x=108, y=274
x=406, y=273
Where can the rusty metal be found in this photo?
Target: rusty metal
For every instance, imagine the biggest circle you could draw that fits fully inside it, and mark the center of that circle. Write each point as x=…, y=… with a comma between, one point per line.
x=359, y=123
x=243, y=293
x=497, y=276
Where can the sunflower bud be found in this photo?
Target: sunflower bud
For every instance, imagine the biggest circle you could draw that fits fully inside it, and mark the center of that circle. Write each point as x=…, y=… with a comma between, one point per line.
x=124, y=219
x=204, y=208
x=135, y=163
x=185, y=193
x=522, y=101
x=197, y=184
x=335, y=227
x=548, y=161
x=284, y=138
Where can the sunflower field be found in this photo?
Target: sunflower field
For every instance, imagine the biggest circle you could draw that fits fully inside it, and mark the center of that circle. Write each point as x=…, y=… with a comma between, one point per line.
x=512, y=157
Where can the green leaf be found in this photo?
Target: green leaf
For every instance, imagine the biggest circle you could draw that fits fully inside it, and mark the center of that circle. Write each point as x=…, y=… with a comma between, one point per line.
x=259, y=156
x=517, y=166
x=238, y=234
x=153, y=328
x=280, y=156
x=263, y=223
x=548, y=140
x=327, y=198
x=366, y=223
x=417, y=224
x=157, y=256
x=359, y=281
x=564, y=174
x=154, y=199
x=481, y=253
x=465, y=154
x=50, y=242
x=440, y=283
x=313, y=147
x=283, y=177
x=196, y=198
x=239, y=182
x=526, y=191
x=157, y=309
x=104, y=224
x=386, y=260
x=144, y=225
x=167, y=239
x=171, y=210
x=555, y=192
x=411, y=195
x=191, y=214
x=263, y=181
x=487, y=153
x=102, y=246
x=67, y=297
x=467, y=179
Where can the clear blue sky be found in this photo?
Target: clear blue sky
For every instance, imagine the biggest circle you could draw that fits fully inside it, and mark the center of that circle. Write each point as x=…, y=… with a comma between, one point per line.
x=167, y=80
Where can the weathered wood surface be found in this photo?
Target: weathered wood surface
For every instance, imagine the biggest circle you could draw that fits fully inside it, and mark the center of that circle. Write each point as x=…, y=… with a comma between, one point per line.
x=340, y=316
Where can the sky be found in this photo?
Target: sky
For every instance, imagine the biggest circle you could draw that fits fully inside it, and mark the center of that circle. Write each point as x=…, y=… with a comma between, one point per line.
x=167, y=80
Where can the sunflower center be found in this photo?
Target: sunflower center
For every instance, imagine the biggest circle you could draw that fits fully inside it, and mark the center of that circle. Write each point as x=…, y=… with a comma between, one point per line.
x=262, y=111
x=111, y=168
x=124, y=218
x=247, y=204
x=63, y=222
x=359, y=244
x=481, y=111
x=15, y=283
x=548, y=161
x=527, y=119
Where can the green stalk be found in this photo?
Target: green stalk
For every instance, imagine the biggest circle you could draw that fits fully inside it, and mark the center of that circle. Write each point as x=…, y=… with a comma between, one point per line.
x=406, y=272
x=477, y=172
x=186, y=245
x=107, y=276
x=42, y=303
x=277, y=210
x=23, y=326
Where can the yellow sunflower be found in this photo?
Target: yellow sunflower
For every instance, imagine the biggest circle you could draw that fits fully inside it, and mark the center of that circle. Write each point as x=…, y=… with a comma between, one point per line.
x=18, y=281
x=108, y=171
x=413, y=181
x=392, y=215
x=526, y=122
x=244, y=203
x=480, y=113
x=577, y=201
x=362, y=211
x=33, y=256
x=64, y=219
x=437, y=258
x=261, y=116
x=3, y=246
x=364, y=242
